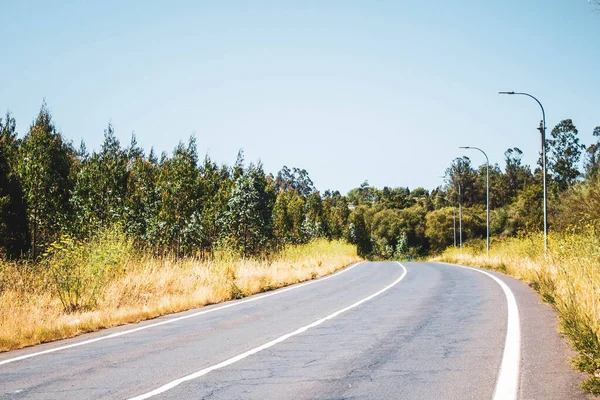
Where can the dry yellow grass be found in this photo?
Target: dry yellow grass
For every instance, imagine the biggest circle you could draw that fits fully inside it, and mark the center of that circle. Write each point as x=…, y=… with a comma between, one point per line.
x=31, y=313
x=568, y=278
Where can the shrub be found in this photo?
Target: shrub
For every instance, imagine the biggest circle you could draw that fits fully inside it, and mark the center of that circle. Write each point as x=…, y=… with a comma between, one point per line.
x=80, y=270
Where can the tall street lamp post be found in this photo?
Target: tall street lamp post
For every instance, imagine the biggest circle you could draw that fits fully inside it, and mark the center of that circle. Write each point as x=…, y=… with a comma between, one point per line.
x=487, y=198
x=542, y=130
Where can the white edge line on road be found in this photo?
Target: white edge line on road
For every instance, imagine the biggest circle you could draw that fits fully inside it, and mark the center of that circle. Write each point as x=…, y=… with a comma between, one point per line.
x=255, y=350
x=507, y=383
x=177, y=319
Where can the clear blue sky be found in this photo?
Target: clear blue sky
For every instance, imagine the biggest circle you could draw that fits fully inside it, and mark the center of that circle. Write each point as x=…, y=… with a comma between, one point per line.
x=349, y=90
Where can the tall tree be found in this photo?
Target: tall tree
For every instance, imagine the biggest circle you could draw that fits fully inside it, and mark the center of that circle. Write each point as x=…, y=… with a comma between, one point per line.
x=364, y=194
x=179, y=186
x=565, y=153
x=142, y=202
x=592, y=159
x=462, y=174
x=101, y=187
x=516, y=175
x=358, y=231
x=247, y=224
x=337, y=213
x=46, y=161
x=216, y=184
x=314, y=223
x=13, y=212
x=295, y=179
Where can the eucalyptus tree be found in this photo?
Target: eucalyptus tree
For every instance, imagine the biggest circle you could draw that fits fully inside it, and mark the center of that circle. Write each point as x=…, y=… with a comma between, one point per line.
x=100, y=191
x=180, y=191
x=462, y=174
x=246, y=226
x=13, y=213
x=294, y=179
x=313, y=225
x=142, y=201
x=216, y=184
x=46, y=161
x=336, y=213
x=592, y=159
x=565, y=153
x=516, y=175
x=358, y=231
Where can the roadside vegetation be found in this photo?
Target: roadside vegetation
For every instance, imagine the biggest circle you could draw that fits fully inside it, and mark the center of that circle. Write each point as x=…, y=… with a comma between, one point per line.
x=104, y=282
x=567, y=278
x=91, y=240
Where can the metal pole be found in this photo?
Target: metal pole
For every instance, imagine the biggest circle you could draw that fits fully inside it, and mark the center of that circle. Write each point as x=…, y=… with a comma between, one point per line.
x=543, y=134
x=460, y=216
x=487, y=196
x=454, y=220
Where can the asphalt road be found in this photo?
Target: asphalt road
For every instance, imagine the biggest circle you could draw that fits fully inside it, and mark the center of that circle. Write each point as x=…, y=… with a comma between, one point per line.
x=373, y=331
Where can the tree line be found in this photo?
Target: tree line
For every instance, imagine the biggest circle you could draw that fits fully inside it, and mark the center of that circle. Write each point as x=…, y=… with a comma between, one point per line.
x=399, y=222
x=182, y=205
x=174, y=204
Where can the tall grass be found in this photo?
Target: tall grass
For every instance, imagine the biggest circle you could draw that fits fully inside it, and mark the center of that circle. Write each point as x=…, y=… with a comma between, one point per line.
x=83, y=287
x=568, y=278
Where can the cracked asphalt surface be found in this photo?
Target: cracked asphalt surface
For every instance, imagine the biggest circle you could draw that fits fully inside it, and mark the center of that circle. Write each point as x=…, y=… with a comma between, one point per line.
x=438, y=334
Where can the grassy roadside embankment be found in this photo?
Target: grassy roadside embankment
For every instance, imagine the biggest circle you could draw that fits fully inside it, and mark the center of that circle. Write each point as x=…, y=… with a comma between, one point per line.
x=568, y=278
x=84, y=287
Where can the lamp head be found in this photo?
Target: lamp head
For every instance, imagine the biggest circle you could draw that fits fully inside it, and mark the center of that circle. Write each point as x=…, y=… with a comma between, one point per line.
x=464, y=147
x=506, y=92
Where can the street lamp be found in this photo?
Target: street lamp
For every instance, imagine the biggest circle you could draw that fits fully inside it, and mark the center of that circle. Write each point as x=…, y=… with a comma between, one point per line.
x=487, y=183
x=459, y=214
x=453, y=218
x=543, y=133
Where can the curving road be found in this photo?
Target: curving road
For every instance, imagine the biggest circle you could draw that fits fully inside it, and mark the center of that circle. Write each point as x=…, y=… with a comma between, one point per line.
x=373, y=331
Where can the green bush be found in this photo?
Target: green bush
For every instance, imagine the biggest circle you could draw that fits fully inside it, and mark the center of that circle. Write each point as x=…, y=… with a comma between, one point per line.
x=80, y=270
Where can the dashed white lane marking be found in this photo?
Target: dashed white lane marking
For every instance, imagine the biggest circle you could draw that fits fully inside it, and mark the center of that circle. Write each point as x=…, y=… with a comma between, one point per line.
x=507, y=384
x=170, y=321
x=255, y=350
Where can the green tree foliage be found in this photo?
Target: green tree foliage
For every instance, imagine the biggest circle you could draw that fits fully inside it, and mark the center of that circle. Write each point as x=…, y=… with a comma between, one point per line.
x=579, y=206
x=516, y=175
x=592, y=159
x=295, y=179
x=358, y=231
x=142, y=201
x=497, y=195
x=314, y=225
x=13, y=213
x=526, y=215
x=246, y=225
x=565, y=153
x=100, y=190
x=180, y=206
x=46, y=163
x=179, y=227
x=398, y=198
x=364, y=194
x=462, y=174
x=216, y=184
x=336, y=213
x=440, y=228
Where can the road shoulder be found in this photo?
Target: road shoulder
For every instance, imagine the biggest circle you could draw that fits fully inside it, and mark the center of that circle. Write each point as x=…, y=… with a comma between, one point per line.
x=545, y=353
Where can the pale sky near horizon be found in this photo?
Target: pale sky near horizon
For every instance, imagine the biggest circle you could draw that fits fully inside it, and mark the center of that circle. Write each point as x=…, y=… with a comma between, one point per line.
x=383, y=91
